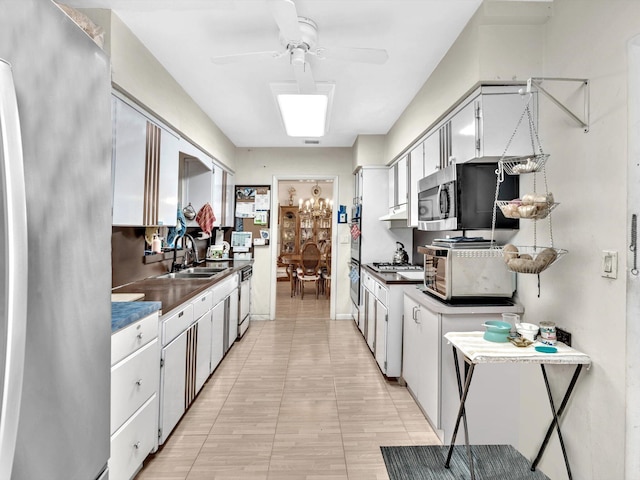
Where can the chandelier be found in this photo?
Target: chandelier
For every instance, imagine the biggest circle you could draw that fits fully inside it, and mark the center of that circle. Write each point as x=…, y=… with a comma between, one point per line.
x=315, y=206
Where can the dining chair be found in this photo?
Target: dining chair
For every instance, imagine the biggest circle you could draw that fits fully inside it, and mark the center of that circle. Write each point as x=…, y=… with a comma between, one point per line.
x=309, y=268
x=325, y=274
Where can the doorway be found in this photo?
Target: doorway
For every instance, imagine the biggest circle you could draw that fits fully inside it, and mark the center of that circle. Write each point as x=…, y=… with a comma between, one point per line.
x=306, y=204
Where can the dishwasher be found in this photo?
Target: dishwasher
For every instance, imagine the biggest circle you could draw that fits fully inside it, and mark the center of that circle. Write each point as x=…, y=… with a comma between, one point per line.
x=244, y=302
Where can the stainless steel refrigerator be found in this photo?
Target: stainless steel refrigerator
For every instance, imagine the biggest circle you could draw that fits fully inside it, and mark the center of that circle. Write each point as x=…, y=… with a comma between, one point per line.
x=55, y=275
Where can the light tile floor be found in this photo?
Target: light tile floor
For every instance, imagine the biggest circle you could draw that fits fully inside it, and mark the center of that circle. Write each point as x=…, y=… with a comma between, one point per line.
x=300, y=397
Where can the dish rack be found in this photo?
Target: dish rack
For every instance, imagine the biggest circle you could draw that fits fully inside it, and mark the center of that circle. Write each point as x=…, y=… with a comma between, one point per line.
x=530, y=259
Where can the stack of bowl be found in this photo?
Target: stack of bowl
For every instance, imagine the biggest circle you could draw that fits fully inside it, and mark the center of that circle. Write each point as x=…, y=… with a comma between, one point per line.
x=496, y=331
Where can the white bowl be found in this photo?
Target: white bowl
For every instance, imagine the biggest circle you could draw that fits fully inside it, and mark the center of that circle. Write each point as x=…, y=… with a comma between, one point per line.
x=527, y=330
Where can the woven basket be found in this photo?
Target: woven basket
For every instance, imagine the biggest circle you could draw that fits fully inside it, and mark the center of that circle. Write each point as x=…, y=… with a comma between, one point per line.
x=531, y=259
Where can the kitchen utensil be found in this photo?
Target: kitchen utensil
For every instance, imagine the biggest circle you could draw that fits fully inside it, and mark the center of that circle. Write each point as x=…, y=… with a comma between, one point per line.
x=400, y=255
x=546, y=349
x=496, y=331
x=189, y=212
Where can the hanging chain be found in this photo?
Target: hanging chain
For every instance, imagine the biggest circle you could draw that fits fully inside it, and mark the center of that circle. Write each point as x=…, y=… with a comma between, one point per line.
x=500, y=170
x=634, y=243
x=515, y=130
x=500, y=179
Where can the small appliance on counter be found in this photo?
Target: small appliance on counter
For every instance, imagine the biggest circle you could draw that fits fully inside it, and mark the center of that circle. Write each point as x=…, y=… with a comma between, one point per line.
x=451, y=273
x=400, y=256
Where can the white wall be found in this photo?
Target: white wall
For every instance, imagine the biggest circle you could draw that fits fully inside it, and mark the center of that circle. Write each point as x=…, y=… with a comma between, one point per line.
x=258, y=166
x=587, y=174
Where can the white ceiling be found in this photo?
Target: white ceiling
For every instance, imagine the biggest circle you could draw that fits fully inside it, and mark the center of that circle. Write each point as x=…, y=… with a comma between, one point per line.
x=185, y=35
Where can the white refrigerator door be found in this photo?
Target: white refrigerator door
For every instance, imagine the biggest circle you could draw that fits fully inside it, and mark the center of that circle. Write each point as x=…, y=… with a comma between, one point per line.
x=63, y=89
x=13, y=270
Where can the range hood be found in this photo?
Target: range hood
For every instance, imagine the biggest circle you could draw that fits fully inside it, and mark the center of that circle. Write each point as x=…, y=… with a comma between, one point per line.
x=397, y=213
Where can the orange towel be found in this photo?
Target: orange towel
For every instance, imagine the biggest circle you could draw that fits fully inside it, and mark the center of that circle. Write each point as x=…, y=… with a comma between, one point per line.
x=206, y=218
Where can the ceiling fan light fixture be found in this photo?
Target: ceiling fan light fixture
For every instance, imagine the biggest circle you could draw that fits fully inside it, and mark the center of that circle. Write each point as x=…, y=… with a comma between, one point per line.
x=304, y=115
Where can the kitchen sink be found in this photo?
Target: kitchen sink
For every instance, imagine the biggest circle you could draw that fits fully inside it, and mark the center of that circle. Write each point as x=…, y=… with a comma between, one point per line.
x=195, y=273
x=187, y=275
x=208, y=270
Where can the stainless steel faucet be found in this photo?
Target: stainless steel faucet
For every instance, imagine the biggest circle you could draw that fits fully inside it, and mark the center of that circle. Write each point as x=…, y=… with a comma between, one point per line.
x=189, y=253
x=194, y=247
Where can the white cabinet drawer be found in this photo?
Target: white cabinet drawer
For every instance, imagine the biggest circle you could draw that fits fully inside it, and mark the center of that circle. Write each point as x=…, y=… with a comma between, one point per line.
x=382, y=294
x=224, y=288
x=367, y=281
x=177, y=323
x=126, y=341
x=134, y=441
x=133, y=381
x=202, y=304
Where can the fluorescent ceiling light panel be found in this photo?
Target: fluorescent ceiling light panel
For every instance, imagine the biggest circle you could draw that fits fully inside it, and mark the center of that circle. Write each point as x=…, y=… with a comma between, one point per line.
x=303, y=115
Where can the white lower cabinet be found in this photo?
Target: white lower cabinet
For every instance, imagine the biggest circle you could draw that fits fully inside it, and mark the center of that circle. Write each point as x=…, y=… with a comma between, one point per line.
x=196, y=336
x=135, y=371
x=131, y=444
x=428, y=369
x=217, y=335
x=203, y=353
x=172, y=384
x=382, y=317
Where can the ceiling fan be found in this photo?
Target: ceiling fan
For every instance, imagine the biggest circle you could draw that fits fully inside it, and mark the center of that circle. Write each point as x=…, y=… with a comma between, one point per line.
x=299, y=37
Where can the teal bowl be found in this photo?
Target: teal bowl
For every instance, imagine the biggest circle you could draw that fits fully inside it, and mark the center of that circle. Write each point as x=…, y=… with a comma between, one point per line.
x=497, y=331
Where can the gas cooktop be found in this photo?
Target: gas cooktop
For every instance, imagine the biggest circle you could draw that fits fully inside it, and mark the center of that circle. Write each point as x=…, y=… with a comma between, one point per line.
x=388, y=267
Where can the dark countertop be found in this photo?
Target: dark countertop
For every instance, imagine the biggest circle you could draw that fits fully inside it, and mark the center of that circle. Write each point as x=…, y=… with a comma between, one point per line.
x=126, y=313
x=438, y=306
x=172, y=292
x=390, y=278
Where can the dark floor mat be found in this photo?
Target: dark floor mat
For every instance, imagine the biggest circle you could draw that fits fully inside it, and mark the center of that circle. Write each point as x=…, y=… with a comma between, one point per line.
x=491, y=462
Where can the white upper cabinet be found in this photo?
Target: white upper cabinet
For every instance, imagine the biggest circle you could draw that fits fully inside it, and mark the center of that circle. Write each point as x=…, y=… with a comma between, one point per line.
x=401, y=181
x=464, y=137
x=431, y=153
x=500, y=113
x=218, y=193
x=482, y=124
x=229, y=200
x=145, y=170
x=398, y=184
x=416, y=172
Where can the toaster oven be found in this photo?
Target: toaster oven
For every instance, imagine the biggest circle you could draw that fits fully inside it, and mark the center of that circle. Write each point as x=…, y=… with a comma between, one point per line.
x=451, y=273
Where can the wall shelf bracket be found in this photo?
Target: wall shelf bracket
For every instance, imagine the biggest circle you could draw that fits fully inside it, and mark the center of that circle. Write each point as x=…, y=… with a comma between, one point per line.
x=584, y=84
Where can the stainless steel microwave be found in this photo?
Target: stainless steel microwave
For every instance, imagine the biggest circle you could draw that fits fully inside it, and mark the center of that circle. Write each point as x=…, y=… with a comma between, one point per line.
x=463, y=273
x=461, y=197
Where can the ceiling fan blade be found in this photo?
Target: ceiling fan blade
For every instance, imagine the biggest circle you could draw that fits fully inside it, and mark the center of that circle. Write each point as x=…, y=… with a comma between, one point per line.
x=286, y=16
x=361, y=55
x=246, y=57
x=304, y=77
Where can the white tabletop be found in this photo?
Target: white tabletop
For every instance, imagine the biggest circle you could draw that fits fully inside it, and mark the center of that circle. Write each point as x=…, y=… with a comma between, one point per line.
x=478, y=350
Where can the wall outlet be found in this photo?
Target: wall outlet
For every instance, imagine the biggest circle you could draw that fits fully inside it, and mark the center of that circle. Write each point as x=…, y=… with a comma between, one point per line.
x=563, y=336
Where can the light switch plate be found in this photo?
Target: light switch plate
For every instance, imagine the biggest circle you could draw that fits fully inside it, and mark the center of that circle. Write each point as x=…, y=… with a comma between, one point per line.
x=609, y=268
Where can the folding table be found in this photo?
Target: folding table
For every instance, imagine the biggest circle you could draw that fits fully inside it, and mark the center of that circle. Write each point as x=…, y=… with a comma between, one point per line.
x=476, y=350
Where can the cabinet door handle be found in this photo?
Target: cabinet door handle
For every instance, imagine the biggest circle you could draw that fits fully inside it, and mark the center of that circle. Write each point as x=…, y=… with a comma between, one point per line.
x=418, y=321
x=180, y=314
x=139, y=382
x=139, y=336
x=136, y=445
